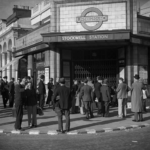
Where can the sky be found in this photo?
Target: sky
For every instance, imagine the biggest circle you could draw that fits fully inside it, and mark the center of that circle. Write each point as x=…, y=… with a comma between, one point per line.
x=7, y=5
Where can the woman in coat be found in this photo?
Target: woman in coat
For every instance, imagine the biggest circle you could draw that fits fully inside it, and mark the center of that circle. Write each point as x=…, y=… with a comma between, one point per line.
x=136, y=99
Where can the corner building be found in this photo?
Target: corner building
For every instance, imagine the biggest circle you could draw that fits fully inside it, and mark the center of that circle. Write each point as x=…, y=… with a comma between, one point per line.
x=90, y=38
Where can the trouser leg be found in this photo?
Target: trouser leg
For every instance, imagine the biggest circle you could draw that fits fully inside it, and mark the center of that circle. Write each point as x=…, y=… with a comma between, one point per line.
x=60, y=115
x=29, y=109
x=124, y=107
x=136, y=116
x=140, y=116
x=103, y=108
x=73, y=105
x=86, y=109
x=90, y=111
x=144, y=105
x=99, y=107
x=34, y=119
x=67, y=116
x=11, y=99
x=19, y=115
x=3, y=96
x=120, y=107
x=41, y=103
x=106, y=109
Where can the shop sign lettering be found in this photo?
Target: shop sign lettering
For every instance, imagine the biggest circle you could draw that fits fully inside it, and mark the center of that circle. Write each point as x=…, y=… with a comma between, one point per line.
x=98, y=37
x=100, y=18
x=73, y=38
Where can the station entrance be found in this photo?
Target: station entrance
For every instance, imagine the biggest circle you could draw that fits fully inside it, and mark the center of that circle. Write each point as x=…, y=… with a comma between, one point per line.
x=92, y=60
x=93, y=63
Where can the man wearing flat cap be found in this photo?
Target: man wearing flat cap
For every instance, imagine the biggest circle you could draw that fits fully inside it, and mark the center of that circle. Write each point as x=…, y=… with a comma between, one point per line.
x=62, y=105
x=136, y=99
x=41, y=91
x=4, y=91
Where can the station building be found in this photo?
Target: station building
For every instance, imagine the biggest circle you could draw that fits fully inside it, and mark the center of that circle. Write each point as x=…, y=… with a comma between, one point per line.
x=80, y=38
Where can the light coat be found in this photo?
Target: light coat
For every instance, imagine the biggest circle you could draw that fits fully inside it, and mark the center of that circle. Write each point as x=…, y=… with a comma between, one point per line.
x=136, y=97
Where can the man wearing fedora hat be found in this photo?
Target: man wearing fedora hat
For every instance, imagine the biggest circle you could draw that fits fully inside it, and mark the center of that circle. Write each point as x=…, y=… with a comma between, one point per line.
x=4, y=91
x=136, y=99
x=62, y=105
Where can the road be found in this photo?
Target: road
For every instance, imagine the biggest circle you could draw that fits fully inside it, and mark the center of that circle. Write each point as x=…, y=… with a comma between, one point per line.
x=138, y=139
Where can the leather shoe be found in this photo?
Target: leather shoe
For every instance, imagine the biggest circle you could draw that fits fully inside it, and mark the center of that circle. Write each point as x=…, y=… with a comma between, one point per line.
x=135, y=121
x=60, y=131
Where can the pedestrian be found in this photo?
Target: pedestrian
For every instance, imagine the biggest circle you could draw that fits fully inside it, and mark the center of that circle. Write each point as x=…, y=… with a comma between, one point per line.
x=73, y=96
x=106, y=99
x=19, y=89
x=31, y=105
x=81, y=105
x=97, y=91
x=136, y=99
x=4, y=91
x=114, y=96
x=144, y=98
x=86, y=95
x=42, y=91
x=11, y=88
x=122, y=94
x=50, y=87
x=62, y=105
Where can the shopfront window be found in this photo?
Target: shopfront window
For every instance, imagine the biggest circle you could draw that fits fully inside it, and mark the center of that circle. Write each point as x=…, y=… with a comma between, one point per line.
x=143, y=72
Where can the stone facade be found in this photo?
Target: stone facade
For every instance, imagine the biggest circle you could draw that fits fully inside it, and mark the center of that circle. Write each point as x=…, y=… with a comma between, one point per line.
x=121, y=15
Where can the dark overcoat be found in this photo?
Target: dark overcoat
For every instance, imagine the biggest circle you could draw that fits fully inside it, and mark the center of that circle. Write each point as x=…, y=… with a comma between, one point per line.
x=105, y=93
x=64, y=93
x=136, y=97
x=97, y=90
x=86, y=93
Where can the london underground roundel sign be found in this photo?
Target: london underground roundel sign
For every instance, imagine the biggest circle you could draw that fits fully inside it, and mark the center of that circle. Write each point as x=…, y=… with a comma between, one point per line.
x=99, y=18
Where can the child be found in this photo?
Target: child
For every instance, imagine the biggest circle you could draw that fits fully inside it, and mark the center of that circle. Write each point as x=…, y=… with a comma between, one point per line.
x=145, y=95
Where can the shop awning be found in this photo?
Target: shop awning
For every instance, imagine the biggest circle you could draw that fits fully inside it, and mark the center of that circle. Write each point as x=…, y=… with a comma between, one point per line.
x=10, y=63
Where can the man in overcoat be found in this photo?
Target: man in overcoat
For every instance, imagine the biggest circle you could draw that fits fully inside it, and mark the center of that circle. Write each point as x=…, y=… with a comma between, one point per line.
x=4, y=90
x=97, y=90
x=19, y=89
x=11, y=92
x=122, y=94
x=86, y=95
x=62, y=105
x=42, y=91
x=136, y=99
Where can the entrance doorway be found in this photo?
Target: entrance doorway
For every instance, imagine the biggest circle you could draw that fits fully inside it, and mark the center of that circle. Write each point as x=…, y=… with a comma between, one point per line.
x=93, y=63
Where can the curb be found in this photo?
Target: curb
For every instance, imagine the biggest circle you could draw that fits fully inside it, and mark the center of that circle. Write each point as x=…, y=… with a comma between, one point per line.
x=76, y=132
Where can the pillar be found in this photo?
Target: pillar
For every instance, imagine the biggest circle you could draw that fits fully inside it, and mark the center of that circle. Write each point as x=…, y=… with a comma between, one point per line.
x=3, y=64
x=0, y=64
x=57, y=64
x=13, y=68
x=30, y=65
x=8, y=68
x=52, y=65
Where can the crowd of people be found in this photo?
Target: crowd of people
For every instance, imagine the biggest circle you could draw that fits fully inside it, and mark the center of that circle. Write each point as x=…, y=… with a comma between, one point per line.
x=82, y=97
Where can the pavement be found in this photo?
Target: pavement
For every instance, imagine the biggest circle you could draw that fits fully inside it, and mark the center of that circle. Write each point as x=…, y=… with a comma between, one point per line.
x=47, y=124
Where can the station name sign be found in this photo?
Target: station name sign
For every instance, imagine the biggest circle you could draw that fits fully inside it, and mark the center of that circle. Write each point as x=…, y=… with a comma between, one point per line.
x=86, y=37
